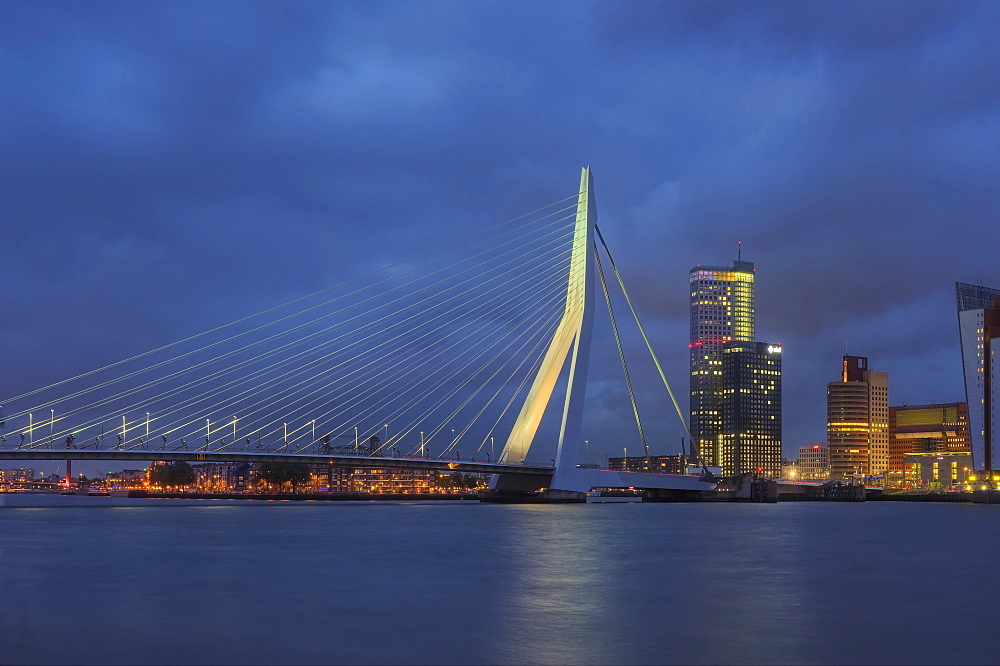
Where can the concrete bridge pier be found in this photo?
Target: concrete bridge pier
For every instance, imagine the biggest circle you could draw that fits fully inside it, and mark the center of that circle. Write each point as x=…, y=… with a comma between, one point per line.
x=670, y=495
x=514, y=489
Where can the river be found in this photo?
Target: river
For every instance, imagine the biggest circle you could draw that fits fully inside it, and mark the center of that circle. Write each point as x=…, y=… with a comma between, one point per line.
x=98, y=580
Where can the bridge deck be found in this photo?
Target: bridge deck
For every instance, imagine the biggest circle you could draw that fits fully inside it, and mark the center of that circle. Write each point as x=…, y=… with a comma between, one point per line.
x=358, y=462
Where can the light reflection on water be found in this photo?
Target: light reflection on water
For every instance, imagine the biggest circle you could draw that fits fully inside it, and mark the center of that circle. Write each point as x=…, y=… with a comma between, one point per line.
x=461, y=583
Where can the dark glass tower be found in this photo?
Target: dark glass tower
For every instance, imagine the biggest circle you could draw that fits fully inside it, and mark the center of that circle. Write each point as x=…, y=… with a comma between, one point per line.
x=750, y=438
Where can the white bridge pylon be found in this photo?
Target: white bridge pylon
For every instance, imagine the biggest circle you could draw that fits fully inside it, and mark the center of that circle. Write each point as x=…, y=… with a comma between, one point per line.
x=571, y=344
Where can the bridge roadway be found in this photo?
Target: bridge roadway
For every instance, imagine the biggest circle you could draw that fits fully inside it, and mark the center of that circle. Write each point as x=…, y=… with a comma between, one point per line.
x=521, y=477
x=339, y=460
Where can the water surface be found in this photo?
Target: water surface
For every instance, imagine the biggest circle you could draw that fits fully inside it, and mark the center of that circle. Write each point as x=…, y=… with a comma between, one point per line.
x=283, y=582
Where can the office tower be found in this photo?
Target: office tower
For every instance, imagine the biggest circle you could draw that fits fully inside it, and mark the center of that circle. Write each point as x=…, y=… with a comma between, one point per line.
x=940, y=428
x=750, y=436
x=979, y=332
x=722, y=310
x=857, y=420
x=814, y=462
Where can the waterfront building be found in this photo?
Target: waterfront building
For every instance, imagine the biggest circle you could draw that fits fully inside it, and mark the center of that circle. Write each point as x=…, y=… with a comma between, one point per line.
x=128, y=479
x=330, y=478
x=392, y=481
x=16, y=475
x=326, y=477
x=722, y=310
x=857, y=420
x=222, y=477
x=936, y=428
x=750, y=433
x=937, y=470
x=651, y=464
x=790, y=470
x=814, y=461
x=979, y=333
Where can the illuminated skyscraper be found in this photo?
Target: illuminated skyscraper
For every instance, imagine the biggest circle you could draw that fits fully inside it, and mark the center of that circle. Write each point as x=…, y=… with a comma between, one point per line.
x=722, y=310
x=979, y=332
x=857, y=420
x=750, y=440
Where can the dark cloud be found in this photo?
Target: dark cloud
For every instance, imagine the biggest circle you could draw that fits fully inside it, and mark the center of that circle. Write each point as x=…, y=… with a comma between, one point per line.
x=168, y=166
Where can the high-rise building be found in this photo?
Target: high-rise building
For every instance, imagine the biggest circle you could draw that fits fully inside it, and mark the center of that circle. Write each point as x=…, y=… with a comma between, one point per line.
x=857, y=420
x=814, y=462
x=750, y=433
x=940, y=428
x=979, y=332
x=722, y=310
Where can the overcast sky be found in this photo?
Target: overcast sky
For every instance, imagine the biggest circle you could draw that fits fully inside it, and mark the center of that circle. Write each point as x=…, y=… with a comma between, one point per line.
x=168, y=166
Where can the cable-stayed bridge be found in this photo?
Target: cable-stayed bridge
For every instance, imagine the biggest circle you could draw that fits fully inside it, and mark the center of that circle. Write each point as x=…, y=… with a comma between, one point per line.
x=458, y=358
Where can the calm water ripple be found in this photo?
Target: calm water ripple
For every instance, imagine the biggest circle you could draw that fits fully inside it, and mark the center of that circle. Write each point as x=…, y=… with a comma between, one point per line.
x=278, y=583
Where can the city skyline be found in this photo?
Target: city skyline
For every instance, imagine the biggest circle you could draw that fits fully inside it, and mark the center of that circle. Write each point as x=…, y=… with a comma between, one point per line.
x=157, y=185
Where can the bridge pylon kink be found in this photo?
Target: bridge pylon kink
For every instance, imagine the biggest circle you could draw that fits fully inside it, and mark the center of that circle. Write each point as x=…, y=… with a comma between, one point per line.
x=570, y=344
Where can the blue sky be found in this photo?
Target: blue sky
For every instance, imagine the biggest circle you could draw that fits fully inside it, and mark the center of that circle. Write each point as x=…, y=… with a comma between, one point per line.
x=168, y=166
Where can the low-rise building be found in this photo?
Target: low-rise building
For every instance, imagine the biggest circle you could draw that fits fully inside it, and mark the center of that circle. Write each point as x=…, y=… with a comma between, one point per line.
x=649, y=464
x=382, y=480
x=222, y=477
x=330, y=478
x=790, y=470
x=938, y=470
x=16, y=475
x=814, y=462
x=127, y=479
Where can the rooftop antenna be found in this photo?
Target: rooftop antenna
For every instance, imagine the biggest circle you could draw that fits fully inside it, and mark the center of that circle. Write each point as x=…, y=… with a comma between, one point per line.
x=739, y=251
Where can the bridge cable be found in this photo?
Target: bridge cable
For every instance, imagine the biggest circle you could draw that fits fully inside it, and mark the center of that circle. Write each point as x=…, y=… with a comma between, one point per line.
x=392, y=325
x=366, y=351
x=426, y=414
x=645, y=338
x=286, y=332
x=299, y=371
x=420, y=379
x=380, y=372
x=297, y=300
x=298, y=341
x=621, y=355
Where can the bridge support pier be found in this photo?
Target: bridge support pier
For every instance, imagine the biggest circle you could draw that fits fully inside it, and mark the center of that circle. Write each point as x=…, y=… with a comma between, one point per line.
x=69, y=473
x=563, y=496
x=671, y=495
x=519, y=483
x=520, y=489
